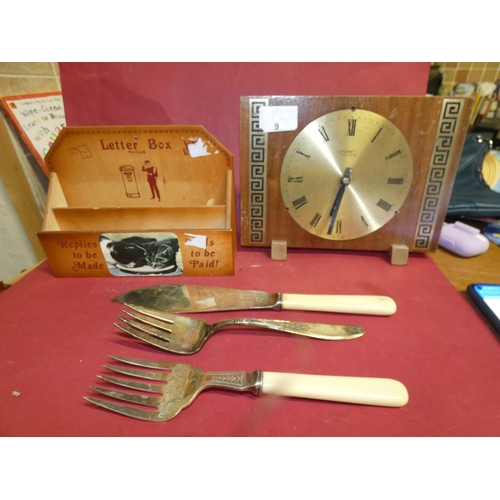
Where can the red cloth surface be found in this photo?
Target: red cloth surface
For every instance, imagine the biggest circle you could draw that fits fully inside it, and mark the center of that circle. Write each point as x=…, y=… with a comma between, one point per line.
x=56, y=334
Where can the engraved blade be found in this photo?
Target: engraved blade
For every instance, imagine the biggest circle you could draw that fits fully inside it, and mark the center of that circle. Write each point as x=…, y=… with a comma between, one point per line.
x=197, y=298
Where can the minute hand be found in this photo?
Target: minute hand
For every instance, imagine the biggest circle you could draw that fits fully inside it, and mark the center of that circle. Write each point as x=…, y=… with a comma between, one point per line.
x=344, y=182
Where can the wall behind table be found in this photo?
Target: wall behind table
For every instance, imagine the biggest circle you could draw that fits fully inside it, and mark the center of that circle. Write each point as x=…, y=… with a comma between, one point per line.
x=23, y=185
x=208, y=94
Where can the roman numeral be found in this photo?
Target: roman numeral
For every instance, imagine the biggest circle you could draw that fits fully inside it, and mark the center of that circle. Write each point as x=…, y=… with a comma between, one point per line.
x=376, y=135
x=392, y=155
x=298, y=151
x=364, y=221
x=351, y=126
x=384, y=205
x=315, y=220
x=295, y=179
x=395, y=180
x=338, y=227
x=323, y=133
x=299, y=202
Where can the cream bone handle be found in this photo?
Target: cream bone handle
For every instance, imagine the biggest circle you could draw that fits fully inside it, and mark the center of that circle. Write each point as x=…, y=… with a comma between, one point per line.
x=357, y=390
x=353, y=304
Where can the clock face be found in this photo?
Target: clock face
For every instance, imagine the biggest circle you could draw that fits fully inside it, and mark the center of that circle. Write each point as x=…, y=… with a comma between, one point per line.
x=346, y=174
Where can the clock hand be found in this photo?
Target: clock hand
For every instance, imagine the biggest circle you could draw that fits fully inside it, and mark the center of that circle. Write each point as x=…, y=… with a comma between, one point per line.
x=344, y=182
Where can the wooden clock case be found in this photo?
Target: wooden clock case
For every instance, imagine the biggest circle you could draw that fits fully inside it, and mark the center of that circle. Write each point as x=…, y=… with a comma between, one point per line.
x=435, y=128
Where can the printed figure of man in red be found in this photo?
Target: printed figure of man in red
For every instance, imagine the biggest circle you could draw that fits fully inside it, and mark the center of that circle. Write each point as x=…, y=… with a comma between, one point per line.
x=152, y=175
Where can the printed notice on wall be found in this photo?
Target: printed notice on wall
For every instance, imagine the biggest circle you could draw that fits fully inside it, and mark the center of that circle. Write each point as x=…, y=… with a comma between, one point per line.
x=38, y=118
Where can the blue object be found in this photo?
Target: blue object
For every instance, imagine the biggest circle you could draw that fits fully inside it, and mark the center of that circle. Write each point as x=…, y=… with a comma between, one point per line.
x=492, y=232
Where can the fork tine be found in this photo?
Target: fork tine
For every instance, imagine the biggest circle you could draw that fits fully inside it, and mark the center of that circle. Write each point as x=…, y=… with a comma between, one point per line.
x=162, y=324
x=152, y=313
x=161, y=344
x=132, y=384
x=160, y=332
x=133, y=372
x=141, y=399
x=128, y=411
x=164, y=365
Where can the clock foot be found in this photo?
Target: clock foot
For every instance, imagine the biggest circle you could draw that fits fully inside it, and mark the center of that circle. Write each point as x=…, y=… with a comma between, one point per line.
x=399, y=255
x=278, y=250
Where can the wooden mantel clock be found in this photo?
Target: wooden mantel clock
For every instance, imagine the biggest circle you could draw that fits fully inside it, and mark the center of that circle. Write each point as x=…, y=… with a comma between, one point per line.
x=371, y=173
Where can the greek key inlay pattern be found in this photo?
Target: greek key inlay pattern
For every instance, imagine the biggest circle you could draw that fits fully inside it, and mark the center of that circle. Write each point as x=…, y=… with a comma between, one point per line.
x=257, y=173
x=449, y=120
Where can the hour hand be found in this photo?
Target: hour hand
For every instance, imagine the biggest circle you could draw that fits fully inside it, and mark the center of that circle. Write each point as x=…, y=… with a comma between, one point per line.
x=344, y=182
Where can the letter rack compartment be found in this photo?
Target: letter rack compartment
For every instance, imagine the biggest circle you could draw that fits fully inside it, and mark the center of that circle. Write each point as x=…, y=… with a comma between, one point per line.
x=139, y=201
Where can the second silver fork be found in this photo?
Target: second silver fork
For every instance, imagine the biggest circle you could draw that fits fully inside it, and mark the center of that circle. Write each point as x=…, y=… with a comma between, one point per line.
x=183, y=335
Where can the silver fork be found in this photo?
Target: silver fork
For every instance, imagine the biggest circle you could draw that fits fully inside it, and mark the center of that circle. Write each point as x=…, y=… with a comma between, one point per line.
x=178, y=384
x=183, y=335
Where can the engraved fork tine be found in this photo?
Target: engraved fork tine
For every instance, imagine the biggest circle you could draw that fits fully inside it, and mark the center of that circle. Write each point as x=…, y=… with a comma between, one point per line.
x=152, y=401
x=182, y=383
x=128, y=411
x=160, y=376
x=145, y=363
x=183, y=335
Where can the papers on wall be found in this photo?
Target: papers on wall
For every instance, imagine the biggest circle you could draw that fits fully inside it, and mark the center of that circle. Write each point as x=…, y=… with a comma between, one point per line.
x=38, y=118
